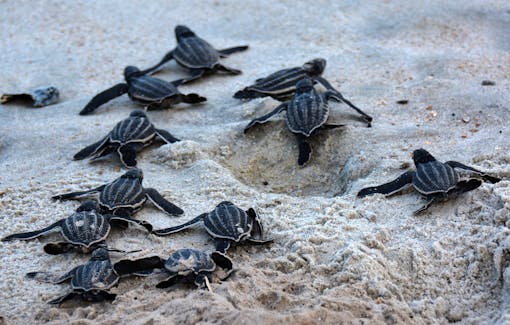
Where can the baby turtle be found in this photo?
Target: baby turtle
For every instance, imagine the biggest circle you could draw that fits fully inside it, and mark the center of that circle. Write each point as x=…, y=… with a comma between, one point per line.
x=125, y=196
x=433, y=179
x=196, y=55
x=84, y=230
x=281, y=85
x=227, y=224
x=42, y=96
x=127, y=138
x=306, y=112
x=152, y=92
x=91, y=281
x=184, y=265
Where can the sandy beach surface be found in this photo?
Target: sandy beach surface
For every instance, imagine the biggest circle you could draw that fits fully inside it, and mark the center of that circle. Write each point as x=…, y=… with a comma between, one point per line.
x=335, y=258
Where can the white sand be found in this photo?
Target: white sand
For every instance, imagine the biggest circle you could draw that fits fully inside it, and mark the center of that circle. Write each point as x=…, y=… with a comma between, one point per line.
x=335, y=258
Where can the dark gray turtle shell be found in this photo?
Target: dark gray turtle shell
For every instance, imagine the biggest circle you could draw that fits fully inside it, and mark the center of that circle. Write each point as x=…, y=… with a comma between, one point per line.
x=195, y=53
x=97, y=274
x=124, y=192
x=186, y=261
x=85, y=228
x=229, y=222
x=133, y=129
x=147, y=90
x=306, y=112
x=434, y=177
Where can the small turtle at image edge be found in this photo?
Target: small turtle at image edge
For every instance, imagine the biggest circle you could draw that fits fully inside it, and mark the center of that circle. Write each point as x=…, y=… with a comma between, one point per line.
x=42, y=96
x=196, y=55
x=125, y=196
x=281, y=85
x=184, y=265
x=433, y=179
x=227, y=224
x=307, y=112
x=127, y=138
x=91, y=282
x=152, y=92
x=83, y=231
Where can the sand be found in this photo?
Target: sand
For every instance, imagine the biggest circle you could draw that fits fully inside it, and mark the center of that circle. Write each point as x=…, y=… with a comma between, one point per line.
x=335, y=259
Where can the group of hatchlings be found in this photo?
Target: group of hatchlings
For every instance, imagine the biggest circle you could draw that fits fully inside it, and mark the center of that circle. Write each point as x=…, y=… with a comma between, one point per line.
x=307, y=112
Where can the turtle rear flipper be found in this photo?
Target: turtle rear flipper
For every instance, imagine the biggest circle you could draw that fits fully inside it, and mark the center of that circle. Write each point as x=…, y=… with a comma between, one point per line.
x=92, y=150
x=226, y=52
x=305, y=150
x=222, y=245
x=248, y=94
x=397, y=185
x=98, y=296
x=161, y=203
x=58, y=248
x=124, y=267
x=34, y=234
x=78, y=194
x=127, y=154
x=171, y=230
x=468, y=185
x=142, y=223
x=166, y=136
x=486, y=177
x=104, y=97
x=265, y=118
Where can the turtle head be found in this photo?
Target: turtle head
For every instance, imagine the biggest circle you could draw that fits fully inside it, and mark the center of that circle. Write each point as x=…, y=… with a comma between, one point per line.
x=100, y=254
x=422, y=156
x=138, y=113
x=182, y=31
x=304, y=86
x=225, y=203
x=315, y=67
x=133, y=174
x=88, y=205
x=130, y=71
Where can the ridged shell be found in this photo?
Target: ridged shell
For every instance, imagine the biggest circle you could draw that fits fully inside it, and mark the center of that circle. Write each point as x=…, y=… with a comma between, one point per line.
x=123, y=192
x=133, y=129
x=94, y=275
x=281, y=84
x=85, y=228
x=434, y=177
x=307, y=112
x=229, y=222
x=187, y=260
x=194, y=52
x=146, y=89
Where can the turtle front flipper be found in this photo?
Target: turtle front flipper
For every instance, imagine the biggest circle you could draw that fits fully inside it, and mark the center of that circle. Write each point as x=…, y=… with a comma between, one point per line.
x=336, y=96
x=265, y=118
x=142, y=223
x=92, y=149
x=127, y=154
x=486, y=177
x=305, y=150
x=397, y=185
x=104, y=97
x=61, y=299
x=161, y=203
x=192, y=98
x=222, y=68
x=171, y=230
x=47, y=277
x=154, y=69
x=327, y=85
x=124, y=267
x=59, y=248
x=173, y=280
x=226, y=52
x=34, y=234
x=166, y=136
x=78, y=194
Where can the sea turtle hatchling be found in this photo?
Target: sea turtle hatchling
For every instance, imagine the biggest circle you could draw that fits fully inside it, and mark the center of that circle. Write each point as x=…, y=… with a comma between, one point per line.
x=196, y=55
x=152, y=92
x=125, y=196
x=433, y=179
x=91, y=281
x=41, y=96
x=281, y=85
x=84, y=230
x=127, y=138
x=227, y=224
x=306, y=113
x=184, y=265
